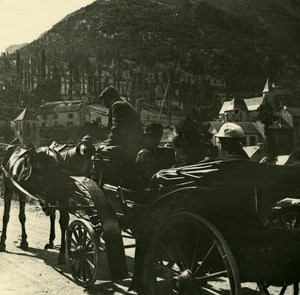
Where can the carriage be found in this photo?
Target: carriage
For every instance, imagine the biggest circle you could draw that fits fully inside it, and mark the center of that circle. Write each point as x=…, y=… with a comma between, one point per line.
x=203, y=228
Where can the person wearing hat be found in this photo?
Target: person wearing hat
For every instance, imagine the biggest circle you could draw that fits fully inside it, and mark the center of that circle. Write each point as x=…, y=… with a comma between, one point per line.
x=230, y=136
x=124, y=123
x=148, y=160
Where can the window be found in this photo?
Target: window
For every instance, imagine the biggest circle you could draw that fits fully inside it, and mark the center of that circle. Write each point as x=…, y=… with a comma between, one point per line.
x=55, y=116
x=70, y=123
x=252, y=140
x=70, y=115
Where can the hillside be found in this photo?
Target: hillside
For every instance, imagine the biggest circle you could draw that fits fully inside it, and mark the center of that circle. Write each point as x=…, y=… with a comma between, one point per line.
x=15, y=47
x=241, y=42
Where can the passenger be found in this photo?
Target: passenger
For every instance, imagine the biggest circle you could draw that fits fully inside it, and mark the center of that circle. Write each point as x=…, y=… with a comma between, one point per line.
x=230, y=136
x=148, y=160
x=125, y=126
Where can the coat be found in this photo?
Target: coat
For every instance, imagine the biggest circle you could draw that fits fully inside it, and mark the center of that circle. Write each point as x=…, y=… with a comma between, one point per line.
x=125, y=125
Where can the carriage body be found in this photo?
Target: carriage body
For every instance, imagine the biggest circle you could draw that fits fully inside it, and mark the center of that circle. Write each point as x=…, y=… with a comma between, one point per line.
x=231, y=199
x=237, y=197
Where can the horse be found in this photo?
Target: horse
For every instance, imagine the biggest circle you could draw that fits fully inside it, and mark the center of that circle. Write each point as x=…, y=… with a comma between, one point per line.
x=77, y=160
x=39, y=171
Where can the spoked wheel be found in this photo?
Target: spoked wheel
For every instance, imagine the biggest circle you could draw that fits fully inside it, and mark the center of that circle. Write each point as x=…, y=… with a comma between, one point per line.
x=189, y=256
x=83, y=250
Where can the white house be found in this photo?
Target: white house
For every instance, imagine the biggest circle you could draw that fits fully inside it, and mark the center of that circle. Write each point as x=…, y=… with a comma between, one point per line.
x=63, y=114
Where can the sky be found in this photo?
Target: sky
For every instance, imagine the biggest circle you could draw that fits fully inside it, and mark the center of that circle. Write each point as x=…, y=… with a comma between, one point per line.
x=25, y=20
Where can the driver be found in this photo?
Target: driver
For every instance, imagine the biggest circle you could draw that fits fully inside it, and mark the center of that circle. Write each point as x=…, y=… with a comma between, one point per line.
x=125, y=126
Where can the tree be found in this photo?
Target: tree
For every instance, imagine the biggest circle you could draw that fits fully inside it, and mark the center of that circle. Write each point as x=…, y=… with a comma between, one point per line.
x=48, y=90
x=266, y=115
x=193, y=137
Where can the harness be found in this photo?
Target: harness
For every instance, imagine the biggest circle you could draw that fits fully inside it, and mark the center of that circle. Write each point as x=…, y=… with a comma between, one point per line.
x=9, y=152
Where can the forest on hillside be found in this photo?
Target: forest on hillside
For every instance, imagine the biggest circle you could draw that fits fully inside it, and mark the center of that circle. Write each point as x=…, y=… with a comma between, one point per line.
x=202, y=51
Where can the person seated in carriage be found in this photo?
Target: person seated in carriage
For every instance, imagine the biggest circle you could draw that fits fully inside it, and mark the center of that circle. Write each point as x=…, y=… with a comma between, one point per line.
x=152, y=158
x=230, y=136
x=125, y=137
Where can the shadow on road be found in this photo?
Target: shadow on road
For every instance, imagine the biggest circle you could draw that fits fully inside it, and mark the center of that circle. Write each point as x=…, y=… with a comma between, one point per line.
x=103, y=286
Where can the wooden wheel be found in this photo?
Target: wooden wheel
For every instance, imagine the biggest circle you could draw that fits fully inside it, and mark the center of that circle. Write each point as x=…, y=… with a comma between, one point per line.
x=189, y=256
x=83, y=250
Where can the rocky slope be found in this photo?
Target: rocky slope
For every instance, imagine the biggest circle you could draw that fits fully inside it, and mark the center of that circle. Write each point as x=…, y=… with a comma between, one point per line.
x=242, y=42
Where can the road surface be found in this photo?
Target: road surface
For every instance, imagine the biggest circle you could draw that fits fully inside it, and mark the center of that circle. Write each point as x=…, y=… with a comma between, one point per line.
x=36, y=271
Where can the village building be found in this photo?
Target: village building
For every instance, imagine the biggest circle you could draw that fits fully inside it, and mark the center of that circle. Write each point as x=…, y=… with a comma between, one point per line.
x=98, y=114
x=245, y=110
x=290, y=119
x=26, y=128
x=63, y=114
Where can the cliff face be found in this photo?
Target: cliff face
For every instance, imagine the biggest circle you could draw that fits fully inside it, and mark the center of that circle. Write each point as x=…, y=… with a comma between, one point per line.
x=241, y=42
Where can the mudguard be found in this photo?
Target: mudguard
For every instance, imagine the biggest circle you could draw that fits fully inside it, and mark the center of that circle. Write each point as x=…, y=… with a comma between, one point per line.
x=112, y=232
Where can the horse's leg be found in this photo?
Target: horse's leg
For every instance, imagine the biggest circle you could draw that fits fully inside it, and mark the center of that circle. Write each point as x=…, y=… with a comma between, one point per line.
x=64, y=222
x=50, y=245
x=7, y=203
x=22, y=218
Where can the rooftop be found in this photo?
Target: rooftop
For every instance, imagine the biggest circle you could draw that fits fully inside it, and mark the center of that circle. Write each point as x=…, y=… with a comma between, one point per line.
x=293, y=110
x=60, y=106
x=253, y=103
x=26, y=115
x=232, y=105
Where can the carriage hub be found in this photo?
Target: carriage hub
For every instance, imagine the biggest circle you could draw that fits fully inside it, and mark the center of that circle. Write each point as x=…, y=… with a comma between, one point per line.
x=184, y=281
x=78, y=252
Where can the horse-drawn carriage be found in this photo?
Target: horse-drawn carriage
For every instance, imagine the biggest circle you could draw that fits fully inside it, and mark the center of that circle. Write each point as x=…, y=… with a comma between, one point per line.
x=203, y=228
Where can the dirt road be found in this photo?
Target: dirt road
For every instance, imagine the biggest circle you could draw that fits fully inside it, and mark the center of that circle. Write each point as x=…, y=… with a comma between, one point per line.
x=35, y=271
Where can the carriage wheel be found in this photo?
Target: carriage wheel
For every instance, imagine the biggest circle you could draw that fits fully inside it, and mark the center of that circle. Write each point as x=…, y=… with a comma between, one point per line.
x=189, y=256
x=83, y=250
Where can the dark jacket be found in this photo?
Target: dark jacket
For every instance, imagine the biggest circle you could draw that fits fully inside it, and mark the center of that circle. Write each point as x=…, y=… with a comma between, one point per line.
x=125, y=124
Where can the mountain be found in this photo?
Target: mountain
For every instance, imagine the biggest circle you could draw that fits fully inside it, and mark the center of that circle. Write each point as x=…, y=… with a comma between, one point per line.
x=241, y=42
x=13, y=48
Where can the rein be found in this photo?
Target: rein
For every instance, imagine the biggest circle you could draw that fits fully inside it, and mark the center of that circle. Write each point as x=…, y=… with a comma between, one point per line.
x=16, y=185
